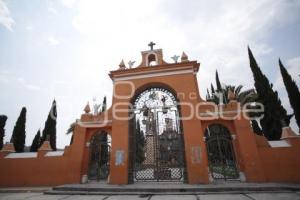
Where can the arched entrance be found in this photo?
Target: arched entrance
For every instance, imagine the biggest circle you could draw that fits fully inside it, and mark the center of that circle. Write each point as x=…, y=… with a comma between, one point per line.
x=100, y=149
x=221, y=157
x=157, y=145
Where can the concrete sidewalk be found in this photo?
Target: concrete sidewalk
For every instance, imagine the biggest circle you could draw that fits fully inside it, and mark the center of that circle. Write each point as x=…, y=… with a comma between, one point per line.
x=244, y=196
x=156, y=191
x=164, y=188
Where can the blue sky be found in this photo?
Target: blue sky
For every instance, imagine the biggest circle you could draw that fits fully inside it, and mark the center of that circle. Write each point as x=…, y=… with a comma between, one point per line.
x=64, y=49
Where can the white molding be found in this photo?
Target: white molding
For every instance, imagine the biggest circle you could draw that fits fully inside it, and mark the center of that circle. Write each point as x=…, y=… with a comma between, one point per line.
x=233, y=136
x=154, y=70
x=54, y=153
x=242, y=176
x=279, y=143
x=154, y=74
x=22, y=155
x=87, y=144
x=94, y=124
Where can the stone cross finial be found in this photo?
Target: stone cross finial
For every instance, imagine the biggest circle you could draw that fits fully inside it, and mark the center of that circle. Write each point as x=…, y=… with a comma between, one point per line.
x=151, y=44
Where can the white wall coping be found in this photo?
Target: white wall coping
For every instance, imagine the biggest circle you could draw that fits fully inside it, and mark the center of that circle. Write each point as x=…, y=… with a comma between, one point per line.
x=279, y=143
x=54, y=153
x=22, y=155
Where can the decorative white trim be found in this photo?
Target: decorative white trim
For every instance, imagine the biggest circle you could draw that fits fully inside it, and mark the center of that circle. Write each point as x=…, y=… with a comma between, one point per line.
x=149, y=51
x=54, y=153
x=84, y=179
x=154, y=74
x=279, y=143
x=233, y=136
x=210, y=178
x=242, y=177
x=94, y=124
x=22, y=155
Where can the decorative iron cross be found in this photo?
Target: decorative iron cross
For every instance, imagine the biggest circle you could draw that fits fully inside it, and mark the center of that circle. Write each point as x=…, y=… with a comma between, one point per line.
x=151, y=44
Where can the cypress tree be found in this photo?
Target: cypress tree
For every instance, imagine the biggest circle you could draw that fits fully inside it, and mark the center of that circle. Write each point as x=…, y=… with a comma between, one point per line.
x=207, y=95
x=104, y=104
x=255, y=127
x=19, y=133
x=3, y=119
x=212, y=89
x=218, y=83
x=274, y=113
x=293, y=92
x=50, y=127
x=36, y=142
x=72, y=138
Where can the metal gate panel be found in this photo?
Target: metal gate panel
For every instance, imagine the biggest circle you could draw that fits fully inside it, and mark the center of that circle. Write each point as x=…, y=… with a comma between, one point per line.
x=158, y=140
x=221, y=157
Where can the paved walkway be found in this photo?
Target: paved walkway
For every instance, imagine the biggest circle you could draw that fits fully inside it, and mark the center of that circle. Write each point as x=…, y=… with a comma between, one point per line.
x=244, y=196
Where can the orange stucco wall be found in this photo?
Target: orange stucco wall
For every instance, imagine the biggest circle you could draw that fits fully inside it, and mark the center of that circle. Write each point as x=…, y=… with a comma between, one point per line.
x=184, y=84
x=281, y=164
x=43, y=170
x=255, y=158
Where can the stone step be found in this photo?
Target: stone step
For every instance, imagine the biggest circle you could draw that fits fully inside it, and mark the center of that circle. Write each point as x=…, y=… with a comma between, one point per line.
x=172, y=189
x=56, y=192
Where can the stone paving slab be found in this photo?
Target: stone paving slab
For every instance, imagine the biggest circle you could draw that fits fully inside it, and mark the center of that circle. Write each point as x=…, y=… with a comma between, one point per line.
x=18, y=196
x=276, y=196
x=167, y=185
x=223, y=197
x=125, y=197
x=86, y=197
x=50, y=197
x=174, y=197
x=23, y=189
x=252, y=196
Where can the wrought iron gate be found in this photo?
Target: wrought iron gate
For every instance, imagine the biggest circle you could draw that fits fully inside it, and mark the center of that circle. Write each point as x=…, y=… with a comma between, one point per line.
x=99, y=157
x=158, y=139
x=221, y=157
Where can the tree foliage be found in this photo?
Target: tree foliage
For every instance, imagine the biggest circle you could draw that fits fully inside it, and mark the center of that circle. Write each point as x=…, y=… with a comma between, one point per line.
x=222, y=96
x=104, y=105
x=3, y=119
x=274, y=113
x=19, y=133
x=293, y=92
x=242, y=96
x=50, y=127
x=36, y=142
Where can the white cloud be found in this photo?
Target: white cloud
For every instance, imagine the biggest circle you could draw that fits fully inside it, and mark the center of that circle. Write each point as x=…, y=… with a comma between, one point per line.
x=29, y=27
x=294, y=68
x=68, y=3
x=214, y=33
x=9, y=78
x=53, y=41
x=32, y=87
x=5, y=18
x=52, y=10
x=27, y=85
